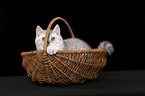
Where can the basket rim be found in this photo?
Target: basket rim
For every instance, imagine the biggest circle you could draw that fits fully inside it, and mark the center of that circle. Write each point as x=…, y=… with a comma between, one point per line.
x=66, y=51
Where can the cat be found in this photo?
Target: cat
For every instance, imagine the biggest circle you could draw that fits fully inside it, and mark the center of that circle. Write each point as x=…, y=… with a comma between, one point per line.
x=56, y=42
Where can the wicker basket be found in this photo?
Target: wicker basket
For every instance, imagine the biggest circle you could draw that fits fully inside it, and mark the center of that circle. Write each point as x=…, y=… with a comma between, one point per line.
x=64, y=67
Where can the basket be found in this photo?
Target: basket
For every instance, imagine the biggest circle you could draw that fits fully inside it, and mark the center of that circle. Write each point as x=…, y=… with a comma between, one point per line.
x=64, y=67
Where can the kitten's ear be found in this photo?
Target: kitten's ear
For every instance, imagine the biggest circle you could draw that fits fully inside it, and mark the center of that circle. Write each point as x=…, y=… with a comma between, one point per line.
x=57, y=29
x=39, y=30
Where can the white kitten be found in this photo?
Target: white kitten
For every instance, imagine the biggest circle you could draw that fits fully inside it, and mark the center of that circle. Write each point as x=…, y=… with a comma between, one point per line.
x=56, y=42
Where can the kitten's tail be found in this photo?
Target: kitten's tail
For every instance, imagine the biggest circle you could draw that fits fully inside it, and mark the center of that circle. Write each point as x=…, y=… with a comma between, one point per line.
x=106, y=45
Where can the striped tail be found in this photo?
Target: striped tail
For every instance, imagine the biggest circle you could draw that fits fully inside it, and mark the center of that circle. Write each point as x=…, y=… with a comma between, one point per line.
x=106, y=45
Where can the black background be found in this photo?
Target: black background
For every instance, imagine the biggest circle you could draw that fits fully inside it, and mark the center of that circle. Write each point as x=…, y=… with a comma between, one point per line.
x=121, y=23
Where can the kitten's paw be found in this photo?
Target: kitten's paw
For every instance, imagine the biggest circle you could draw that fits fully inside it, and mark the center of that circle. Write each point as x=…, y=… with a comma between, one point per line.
x=51, y=51
x=40, y=47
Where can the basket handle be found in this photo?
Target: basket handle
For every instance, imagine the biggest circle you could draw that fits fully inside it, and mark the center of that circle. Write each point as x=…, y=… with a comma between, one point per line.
x=49, y=26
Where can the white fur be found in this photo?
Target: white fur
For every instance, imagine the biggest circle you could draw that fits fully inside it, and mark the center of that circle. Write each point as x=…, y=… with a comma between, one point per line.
x=40, y=33
x=106, y=45
x=57, y=44
x=68, y=44
x=76, y=44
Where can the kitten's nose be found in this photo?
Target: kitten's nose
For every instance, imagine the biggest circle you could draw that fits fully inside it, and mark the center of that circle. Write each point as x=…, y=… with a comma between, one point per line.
x=48, y=42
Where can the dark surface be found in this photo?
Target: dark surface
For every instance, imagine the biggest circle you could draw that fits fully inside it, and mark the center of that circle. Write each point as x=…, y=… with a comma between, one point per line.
x=115, y=83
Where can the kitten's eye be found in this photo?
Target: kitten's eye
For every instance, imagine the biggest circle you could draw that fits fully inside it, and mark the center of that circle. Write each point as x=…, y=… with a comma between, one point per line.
x=43, y=38
x=53, y=38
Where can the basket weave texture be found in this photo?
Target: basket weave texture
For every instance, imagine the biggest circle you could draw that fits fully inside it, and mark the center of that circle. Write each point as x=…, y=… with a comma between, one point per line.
x=64, y=67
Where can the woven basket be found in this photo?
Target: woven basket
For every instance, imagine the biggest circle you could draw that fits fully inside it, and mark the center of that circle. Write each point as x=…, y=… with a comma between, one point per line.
x=64, y=67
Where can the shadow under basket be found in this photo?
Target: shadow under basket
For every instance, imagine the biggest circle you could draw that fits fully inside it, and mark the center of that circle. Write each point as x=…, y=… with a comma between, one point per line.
x=65, y=66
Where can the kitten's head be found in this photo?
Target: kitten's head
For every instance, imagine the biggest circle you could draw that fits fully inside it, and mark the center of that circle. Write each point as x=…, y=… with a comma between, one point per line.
x=54, y=35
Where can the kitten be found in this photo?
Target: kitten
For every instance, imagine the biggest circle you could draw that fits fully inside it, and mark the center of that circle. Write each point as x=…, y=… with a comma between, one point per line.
x=55, y=40
x=57, y=43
